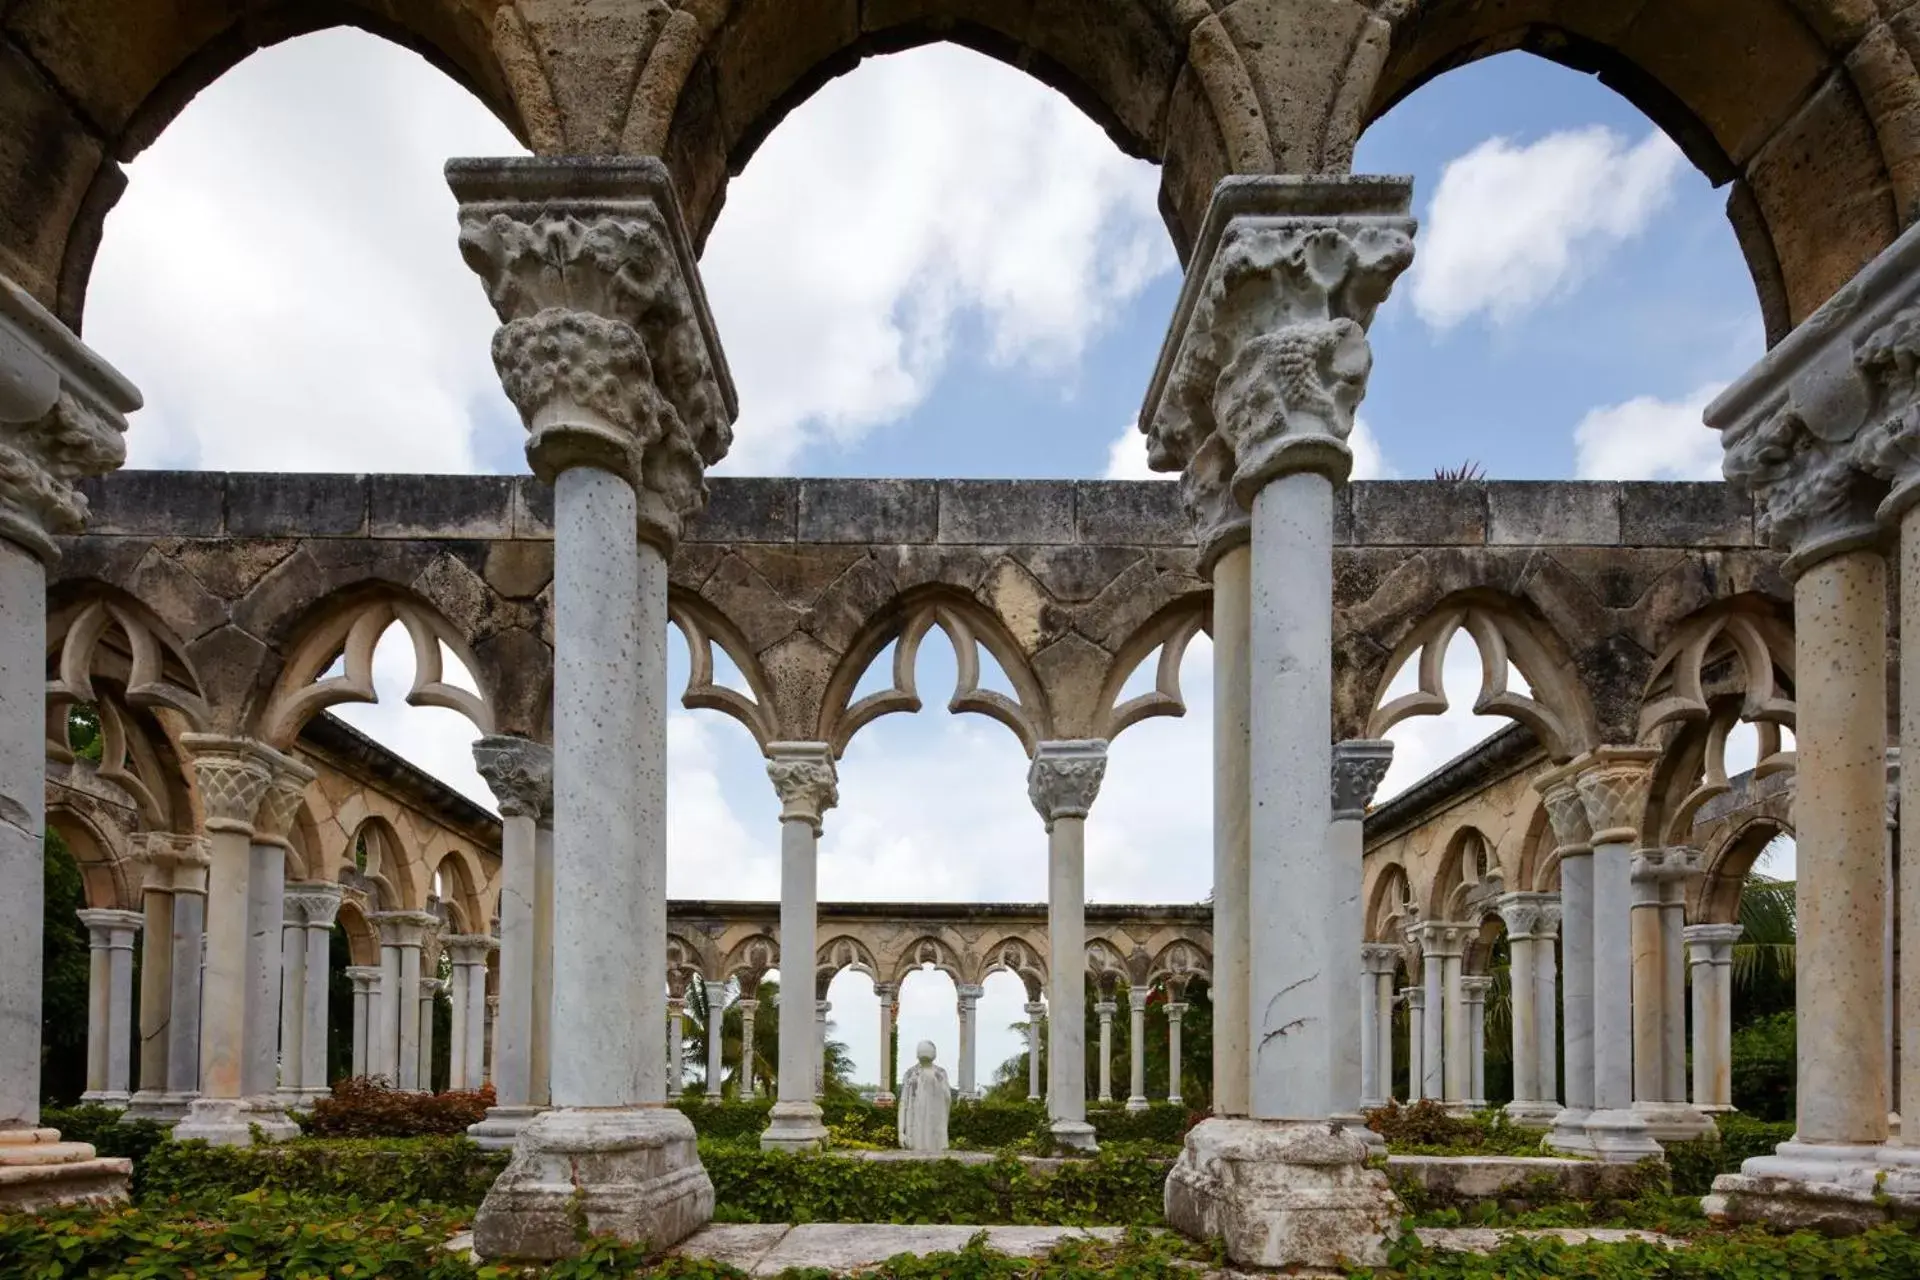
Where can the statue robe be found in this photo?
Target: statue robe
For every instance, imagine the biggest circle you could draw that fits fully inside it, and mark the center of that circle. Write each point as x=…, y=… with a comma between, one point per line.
x=925, y=1098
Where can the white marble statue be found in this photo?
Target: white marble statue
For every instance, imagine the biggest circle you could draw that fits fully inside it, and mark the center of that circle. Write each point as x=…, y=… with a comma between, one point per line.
x=925, y=1099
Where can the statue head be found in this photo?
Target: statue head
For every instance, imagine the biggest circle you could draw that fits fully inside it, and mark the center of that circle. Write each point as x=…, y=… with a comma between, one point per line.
x=924, y=1051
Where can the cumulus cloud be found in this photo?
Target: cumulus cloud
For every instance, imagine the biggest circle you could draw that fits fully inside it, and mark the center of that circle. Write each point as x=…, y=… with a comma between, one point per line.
x=1649, y=439
x=879, y=222
x=1127, y=456
x=1512, y=226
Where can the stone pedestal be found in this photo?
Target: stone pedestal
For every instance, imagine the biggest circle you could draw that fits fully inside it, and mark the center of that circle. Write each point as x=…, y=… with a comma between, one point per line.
x=40, y=1172
x=1283, y=1194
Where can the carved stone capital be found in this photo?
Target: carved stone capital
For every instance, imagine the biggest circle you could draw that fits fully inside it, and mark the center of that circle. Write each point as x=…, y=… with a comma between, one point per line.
x=109, y=928
x=281, y=802
x=1530, y=915
x=519, y=772
x=1358, y=766
x=803, y=777
x=1711, y=943
x=1064, y=778
x=403, y=928
x=312, y=903
x=175, y=863
x=62, y=418
x=1572, y=834
x=231, y=776
x=1268, y=353
x=365, y=977
x=967, y=993
x=1662, y=866
x=606, y=346
x=1440, y=939
x=1379, y=957
x=1613, y=783
x=470, y=948
x=1474, y=987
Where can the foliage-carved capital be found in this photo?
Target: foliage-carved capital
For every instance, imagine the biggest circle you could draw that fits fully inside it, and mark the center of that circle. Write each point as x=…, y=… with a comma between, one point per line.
x=803, y=777
x=1064, y=778
x=519, y=772
x=1359, y=764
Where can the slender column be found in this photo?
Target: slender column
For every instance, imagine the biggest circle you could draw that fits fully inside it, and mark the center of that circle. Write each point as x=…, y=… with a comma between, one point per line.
x=1649, y=980
x=1358, y=766
x=457, y=1025
x=1036, y=1027
x=189, y=855
x=1530, y=919
x=1416, y=999
x=1673, y=951
x=804, y=778
x=1443, y=1044
x=319, y=904
x=430, y=989
x=365, y=979
x=968, y=998
x=889, y=994
x=519, y=772
x=266, y=932
x=61, y=418
x=821, y=1008
x=383, y=1040
x=1063, y=782
x=402, y=935
x=491, y=1003
x=1474, y=989
x=1369, y=1034
x=1457, y=1077
x=153, y=852
x=748, y=1008
x=293, y=1005
x=1104, y=1010
x=676, y=1045
x=1660, y=995
x=1377, y=963
x=716, y=993
x=1546, y=1000
x=1710, y=954
x=109, y=1003
x=1573, y=841
x=1176, y=1011
x=1137, y=1047
x=1232, y=568
x=468, y=1046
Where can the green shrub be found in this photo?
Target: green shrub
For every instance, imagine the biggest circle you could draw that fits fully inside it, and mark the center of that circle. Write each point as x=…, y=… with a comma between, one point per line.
x=446, y=1171
x=990, y=1126
x=729, y=1121
x=1426, y=1128
x=110, y=1132
x=1159, y=1123
x=363, y=1107
x=1763, y=1067
x=1695, y=1165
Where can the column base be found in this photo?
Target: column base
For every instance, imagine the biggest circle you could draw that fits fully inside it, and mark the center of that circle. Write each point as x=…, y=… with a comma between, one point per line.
x=38, y=1171
x=1619, y=1136
x=1676, y=1122
x=106, y=1098
x=500, y=1128
x=1075, y=1135
x=1532, y=1115
x=232, y=1122
x=159, y=1106
x=793, y=1126
x=1356, y=1123
x=1568, y=1133
x=631, y=1173
x=883, y=1099
x=1137, y=1104
x=1834, y=1189
x=1283, y=1193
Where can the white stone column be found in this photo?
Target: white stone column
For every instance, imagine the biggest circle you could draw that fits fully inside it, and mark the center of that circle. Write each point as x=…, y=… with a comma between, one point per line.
x=1358, y=766
x=1377, y=963
x=967, y=996
x=266, y=941
x=365, y=979
x=456, y=1025
x=519, y=772
x=110, y=936
x=189, y=856
x=156, y=973
x=1416, y=998
x=1673, y=952
x=1659, y=879
x=430, y=989
x=1223, y=536
x=608, y=351
x=1176, y=1012
x=383, y=1039
x=888, y=993
x=466, y=1058
x=491, y=1003
x=1137, y=1047
x=1473, y=988
x=61, y=416
x=1036, y=1027
x=1104, y=1011
x=676, y=1045
x=1531, y=919
x=1457, y=1075
x=1710, y=955
x=804, y=778
x=319, y=905
x=821, y=1008
x=1573, y=841
x=716, y=993
x=402, y=935
x=1442, y=1039
x=748, y=1007
x=1062, y=782
x=292, y=1011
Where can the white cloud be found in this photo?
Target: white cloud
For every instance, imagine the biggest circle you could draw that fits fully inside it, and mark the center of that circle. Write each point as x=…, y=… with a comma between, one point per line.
x=1511, y=226
x=1649, y=439
x=282, y=277
x=880, y=218
x=1127, y=456
x=1369, y=460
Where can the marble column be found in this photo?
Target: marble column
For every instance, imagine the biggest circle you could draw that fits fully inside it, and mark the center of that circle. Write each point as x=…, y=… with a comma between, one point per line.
x=1378, y=961
x=1659, y=878
x=1531, y=920
x=430, y=991
x=319, y=904
x=1473, y=989
x=821, y=1008
x=1573, y=847
x=804, y=778
x=402, y=936
x=716, y=993
x=1176, y=1012
x=366, y=980
x=1062, y=783
x=1036, y=1027
x=1416, y=998
x=61, y=414
x=467, y=1048
x=1221, y=528
x=676, y=1045
x=1104, y=1011
x=1710, y=956
x=967, y=996
x=189, y=855
x=607, y=349
x=1137, y=1047
x=1442, y=1040
x=156, y=973
x=292, y=1011
x=519, y=772
x=110, y=937
x=748, y=1007
x=1358, y=766
x=491, y=1003
x=266, y=939
x=889, y=994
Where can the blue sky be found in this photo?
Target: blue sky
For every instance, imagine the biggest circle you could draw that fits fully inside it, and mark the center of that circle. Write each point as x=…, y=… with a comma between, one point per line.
x=907, y=286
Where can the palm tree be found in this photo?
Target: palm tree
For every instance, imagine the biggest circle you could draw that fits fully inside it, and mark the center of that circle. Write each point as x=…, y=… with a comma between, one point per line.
x=1763, y=958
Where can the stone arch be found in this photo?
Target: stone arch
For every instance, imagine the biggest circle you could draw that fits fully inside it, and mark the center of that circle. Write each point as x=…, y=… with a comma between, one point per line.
x=1169, y=631
x=905, y=623
x=1108, y=966
x=750, y=959
x=305, y=859
x=1468, y=873
x=1795, y=103
x=386, y=877
x=1180, y=962
x=1391, y=906
x=705, y=628
x=458, y=892
x=1016, y=956
x=105, y=872
x=94, y=82
x=95, y=630
x=1716, y=900
x=363, y=941
x=687, y=960
x=928, y=951
x=845, y=951
x=1533, y=868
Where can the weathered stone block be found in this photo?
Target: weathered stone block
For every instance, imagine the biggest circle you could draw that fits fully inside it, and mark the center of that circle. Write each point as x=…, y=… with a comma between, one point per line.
x=1685, y=515
x=1388, y=513
x=532, y=508
x=47, y=161
x=182, y=504
x=440, y=506
x=306, y=505
x=1143, y=513
x=747, y=510
x=869, y=511
x=998, y=512
x=1553, y=513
